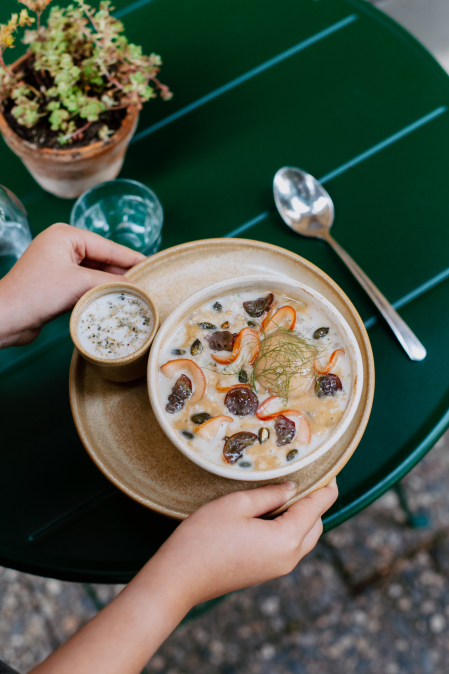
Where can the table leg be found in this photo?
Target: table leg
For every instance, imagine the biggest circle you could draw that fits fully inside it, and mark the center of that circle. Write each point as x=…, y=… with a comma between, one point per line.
x=415, y=521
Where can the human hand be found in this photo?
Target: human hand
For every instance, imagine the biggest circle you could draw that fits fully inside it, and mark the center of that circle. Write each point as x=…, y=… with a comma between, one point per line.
x=224, y=546
x=58, y=267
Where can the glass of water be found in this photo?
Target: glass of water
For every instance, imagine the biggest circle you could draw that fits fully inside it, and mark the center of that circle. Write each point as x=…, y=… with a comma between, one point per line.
x=15, y=233
x=124, y=211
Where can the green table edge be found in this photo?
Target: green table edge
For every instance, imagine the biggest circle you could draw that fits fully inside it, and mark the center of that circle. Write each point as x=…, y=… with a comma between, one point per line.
x=393, y=478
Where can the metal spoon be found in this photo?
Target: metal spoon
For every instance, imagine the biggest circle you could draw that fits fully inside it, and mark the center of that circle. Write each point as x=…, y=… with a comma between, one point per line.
x=307, y=208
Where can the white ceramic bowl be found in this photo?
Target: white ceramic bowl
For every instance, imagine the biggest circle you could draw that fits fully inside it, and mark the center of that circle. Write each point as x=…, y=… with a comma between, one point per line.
x=263, y=283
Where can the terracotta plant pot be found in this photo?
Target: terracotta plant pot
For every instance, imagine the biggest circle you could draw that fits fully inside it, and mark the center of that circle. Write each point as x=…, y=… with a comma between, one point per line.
x=67, y=173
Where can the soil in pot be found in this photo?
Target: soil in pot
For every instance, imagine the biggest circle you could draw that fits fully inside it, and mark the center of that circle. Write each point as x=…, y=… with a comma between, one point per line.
x=41, y=134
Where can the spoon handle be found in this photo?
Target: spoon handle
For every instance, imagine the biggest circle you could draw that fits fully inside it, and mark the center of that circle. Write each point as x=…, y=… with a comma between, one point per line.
x=411, y=344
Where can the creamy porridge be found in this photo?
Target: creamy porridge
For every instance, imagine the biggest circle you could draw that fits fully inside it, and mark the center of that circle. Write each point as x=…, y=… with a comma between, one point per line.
x=253, y=382
x=115, y=325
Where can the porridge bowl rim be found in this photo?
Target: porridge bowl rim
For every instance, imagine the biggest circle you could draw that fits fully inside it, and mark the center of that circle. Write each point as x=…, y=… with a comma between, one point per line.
x=264, y=283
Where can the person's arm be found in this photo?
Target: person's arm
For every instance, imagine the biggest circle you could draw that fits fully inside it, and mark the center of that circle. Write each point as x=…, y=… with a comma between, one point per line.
x=222, y=547
x=58, y=267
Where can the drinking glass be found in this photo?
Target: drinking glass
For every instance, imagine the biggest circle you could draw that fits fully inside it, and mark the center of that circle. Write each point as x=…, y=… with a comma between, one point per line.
x=124, y=211
x=15, y=233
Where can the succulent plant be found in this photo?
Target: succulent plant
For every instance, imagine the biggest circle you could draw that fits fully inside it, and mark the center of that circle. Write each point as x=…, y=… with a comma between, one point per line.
x=83, y=66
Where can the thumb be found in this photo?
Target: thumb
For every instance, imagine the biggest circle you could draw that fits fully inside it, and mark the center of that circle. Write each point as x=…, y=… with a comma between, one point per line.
x=303, y=515
x=263, y=500
x=95, y=277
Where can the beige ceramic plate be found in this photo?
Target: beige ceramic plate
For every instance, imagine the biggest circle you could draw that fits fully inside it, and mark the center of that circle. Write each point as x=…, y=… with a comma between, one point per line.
x=115, y=421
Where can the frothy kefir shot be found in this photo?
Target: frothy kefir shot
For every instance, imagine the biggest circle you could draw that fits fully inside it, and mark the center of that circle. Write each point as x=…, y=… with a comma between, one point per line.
x=115, y=325
x=112, y=327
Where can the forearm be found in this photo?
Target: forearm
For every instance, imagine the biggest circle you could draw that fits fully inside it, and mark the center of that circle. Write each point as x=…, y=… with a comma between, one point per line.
x=12, y=318
x=123, y=637
x=222, y=547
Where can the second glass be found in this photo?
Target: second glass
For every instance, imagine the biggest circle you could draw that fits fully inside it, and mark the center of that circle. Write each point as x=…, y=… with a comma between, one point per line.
x=124, y=211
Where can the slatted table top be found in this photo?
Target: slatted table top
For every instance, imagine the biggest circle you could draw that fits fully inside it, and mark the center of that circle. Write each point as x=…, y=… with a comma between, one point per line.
x=332, y=86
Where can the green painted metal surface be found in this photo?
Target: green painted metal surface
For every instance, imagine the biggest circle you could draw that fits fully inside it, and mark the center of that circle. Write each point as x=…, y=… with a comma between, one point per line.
x=332, y=86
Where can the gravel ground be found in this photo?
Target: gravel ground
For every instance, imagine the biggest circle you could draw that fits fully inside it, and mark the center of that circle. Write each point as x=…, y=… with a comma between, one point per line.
x=372, y=597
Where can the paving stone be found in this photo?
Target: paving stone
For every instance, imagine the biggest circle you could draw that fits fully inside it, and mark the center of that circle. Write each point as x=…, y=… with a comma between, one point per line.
x=399, y=625
x=37, y=615
x=427, y=20
x=369, y=544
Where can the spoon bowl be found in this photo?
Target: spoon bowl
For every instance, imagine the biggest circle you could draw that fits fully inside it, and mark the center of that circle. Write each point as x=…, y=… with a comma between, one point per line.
x=302, y=202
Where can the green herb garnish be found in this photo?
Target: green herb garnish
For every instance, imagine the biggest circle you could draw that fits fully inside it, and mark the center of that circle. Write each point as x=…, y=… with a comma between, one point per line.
x=283, y=355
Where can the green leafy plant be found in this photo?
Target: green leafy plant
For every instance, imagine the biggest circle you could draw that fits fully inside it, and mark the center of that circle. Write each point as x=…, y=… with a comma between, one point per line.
x=83, y=66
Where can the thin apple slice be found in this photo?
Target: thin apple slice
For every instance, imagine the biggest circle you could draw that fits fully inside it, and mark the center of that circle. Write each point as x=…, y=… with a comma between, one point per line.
x=285, y=317
x=262, y=409
x=224, y=389
x=247, y=339
x=174, y=368
x=209, y=429
x=303, y=432
x=286, y=413
x=268, y=314
x=333, y=360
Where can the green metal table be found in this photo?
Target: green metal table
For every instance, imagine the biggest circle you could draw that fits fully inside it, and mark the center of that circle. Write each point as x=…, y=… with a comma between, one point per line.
x=332, y=86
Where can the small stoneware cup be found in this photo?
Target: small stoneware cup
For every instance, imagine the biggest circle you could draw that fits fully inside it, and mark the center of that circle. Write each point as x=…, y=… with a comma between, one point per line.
x=126, y=368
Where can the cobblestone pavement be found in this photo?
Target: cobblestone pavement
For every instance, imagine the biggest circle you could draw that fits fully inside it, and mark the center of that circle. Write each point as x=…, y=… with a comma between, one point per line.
x=371, y=598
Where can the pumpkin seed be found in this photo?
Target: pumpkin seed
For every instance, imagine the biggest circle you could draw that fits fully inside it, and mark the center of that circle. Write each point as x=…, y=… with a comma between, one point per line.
x=217, y=306
x=245, y=464
x=321, y=332
x=207, y=326
x=200, y=418
x=252, y=324
x=178, y=352
x=264, y=434
x=243, y=377
x=293, y=453
x=188, y=435
x=196, y=347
